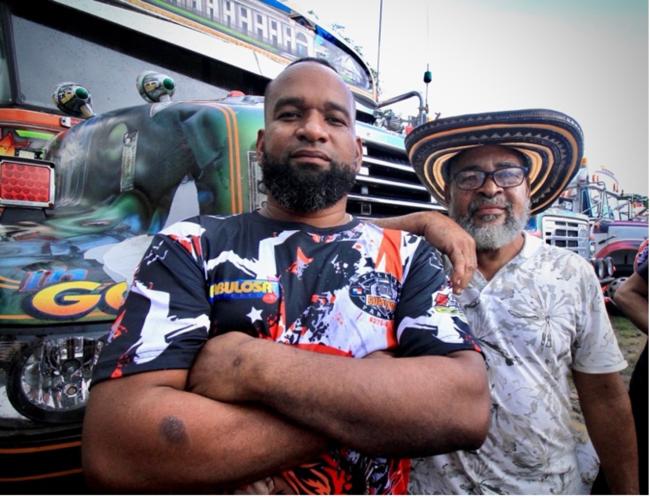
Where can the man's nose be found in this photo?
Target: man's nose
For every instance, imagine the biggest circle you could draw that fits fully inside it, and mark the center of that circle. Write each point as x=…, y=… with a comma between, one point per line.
x=490, y=188
x=313, y=128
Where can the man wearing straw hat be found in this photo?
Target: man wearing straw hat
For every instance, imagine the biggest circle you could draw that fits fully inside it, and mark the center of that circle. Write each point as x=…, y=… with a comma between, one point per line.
x=536, y=310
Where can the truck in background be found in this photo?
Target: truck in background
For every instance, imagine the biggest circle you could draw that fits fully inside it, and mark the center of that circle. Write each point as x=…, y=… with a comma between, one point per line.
x=86, y=181
x=619, y=221
x=562, y=226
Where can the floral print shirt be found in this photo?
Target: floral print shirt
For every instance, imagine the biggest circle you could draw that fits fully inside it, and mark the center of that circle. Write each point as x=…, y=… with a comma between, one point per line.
x=540, y=317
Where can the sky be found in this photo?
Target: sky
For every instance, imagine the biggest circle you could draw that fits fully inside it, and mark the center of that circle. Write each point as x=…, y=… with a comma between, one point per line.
x=586, y=58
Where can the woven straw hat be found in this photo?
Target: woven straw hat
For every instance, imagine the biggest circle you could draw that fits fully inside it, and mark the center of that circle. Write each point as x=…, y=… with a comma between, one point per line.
x=551, y=140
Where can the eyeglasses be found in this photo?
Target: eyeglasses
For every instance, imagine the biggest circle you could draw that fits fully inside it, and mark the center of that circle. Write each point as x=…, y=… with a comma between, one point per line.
x=506, y=177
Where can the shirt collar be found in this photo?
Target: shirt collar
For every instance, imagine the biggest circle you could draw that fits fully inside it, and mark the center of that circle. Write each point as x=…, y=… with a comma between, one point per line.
x=531, y=245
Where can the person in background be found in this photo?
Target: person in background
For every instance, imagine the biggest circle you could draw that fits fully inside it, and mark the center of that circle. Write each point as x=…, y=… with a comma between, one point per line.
x=632, y=299
x=294, y=349
x=536, y=310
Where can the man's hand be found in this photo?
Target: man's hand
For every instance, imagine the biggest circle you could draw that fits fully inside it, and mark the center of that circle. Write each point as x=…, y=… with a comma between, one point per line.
x=452, y=240
x=445, y=235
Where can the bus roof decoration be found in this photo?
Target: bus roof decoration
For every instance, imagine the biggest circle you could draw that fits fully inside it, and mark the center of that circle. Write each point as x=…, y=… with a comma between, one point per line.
x=155, y=87
x=276, y=30
x=73, y=100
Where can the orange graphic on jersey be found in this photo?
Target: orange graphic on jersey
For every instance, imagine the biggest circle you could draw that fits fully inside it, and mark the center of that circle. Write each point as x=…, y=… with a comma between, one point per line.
x=390, y=254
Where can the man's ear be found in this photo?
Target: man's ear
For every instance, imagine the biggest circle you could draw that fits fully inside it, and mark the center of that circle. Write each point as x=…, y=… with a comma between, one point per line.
x=358, y=158
x=259, y=145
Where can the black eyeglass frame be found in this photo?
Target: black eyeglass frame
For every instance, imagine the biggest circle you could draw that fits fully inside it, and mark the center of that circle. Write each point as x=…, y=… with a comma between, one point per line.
x=491, y=174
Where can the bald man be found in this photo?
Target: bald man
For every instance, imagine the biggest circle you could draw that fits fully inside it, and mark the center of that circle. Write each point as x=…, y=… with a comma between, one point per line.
x=234, y=358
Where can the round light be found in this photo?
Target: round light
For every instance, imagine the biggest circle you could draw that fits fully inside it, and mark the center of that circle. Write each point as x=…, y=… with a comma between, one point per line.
x=48, y=379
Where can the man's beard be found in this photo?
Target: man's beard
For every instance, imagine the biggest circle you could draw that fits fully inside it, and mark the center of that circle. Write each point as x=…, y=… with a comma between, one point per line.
x=306, y=188
x=492, y=237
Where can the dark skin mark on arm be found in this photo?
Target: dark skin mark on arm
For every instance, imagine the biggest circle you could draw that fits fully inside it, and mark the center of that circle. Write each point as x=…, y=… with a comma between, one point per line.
x=172, y=430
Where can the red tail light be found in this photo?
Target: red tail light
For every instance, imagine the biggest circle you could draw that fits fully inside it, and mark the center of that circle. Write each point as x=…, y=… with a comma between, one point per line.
x=26, y=182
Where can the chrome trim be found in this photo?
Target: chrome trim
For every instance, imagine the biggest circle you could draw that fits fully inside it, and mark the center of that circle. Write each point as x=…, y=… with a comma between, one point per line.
x=380, y=181
x=388, y=201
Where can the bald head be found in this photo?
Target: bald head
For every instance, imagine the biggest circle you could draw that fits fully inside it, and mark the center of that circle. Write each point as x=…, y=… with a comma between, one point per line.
x=312, y=71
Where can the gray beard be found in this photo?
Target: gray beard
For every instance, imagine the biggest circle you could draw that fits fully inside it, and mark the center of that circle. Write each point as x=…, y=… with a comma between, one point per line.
x=306, y=188
x=492, y=237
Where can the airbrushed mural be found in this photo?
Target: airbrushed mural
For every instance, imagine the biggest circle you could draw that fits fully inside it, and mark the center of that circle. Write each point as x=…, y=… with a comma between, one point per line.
x=120, y=178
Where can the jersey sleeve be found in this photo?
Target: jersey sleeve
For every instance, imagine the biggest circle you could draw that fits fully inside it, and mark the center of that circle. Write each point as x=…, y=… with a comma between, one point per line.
x=164, y=320
x=595, y=348
x=428, y=318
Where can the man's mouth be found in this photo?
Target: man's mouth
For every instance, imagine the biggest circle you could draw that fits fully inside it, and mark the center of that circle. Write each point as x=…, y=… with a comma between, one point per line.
x=489, y=210
x=305, y=155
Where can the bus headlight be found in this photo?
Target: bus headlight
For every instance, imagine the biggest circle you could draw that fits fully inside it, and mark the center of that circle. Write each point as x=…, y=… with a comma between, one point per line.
x=49, y=377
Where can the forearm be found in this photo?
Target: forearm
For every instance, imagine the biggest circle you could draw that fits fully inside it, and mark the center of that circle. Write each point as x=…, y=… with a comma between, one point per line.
x=632, y=299
x=609, y=421
x=446, y=236
x=166, y=440
x=413, y=223
x=409, y=406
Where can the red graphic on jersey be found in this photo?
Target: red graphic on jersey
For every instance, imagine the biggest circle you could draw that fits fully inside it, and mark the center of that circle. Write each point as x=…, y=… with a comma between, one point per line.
x=323, y=299
x=442, y=300
x=323, y=349
x=322, y=238
x=269, y=298
x=322, y=478
x=191, y=244
x=121, y=362
x=277, y=324
x=391, y=336
x=399, y=476
x=300, y=264
x=117, y=329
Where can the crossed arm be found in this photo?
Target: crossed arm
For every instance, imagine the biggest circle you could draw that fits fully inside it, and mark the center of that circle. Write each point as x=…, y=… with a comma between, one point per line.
x=256, y=407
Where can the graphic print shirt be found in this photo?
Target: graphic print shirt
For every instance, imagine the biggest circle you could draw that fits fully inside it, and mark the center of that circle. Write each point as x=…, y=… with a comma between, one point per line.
x=349, y=291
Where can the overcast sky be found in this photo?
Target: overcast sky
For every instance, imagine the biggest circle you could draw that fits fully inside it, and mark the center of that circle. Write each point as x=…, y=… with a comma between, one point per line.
x=586, y=58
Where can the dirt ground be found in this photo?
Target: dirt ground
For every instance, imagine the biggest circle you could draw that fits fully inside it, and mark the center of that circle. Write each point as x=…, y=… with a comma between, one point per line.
x=631, y=341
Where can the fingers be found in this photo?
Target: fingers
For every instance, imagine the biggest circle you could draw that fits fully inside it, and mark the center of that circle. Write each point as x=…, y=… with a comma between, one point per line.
x=463, y=260
x=453, y=241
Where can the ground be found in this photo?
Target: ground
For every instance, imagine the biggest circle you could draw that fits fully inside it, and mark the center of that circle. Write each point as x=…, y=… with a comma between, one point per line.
x=631, y=341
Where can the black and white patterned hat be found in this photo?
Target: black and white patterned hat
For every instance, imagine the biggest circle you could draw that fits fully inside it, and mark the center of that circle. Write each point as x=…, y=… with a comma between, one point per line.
x=551, y=140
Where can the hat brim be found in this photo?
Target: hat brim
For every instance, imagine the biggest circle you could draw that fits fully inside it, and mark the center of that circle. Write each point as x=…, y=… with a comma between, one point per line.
x=551, y=140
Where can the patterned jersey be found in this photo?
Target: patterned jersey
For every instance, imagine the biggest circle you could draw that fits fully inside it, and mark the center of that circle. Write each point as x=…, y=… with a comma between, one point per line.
x=349, y=291
x=539, y=318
